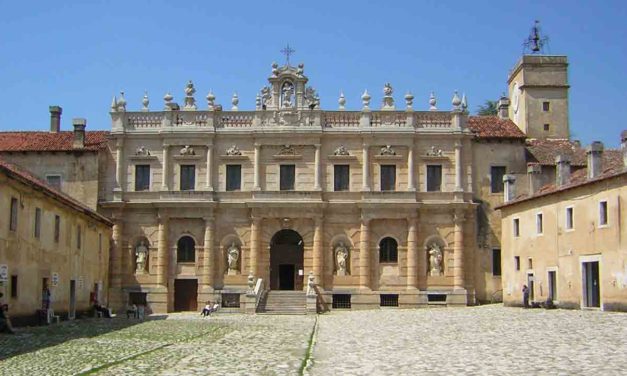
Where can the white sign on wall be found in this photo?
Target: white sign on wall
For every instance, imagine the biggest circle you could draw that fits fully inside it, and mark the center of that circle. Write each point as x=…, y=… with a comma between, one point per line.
x=4, y=273
x=55, y=279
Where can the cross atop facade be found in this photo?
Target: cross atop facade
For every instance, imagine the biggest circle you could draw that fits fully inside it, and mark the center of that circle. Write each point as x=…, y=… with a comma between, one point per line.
x=287, y=51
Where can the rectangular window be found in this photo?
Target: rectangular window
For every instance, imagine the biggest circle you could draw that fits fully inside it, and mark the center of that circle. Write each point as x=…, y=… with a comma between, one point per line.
x=496, y=262
x=388, y=177
x=529, y=263
x=57, y=228
x=233, y=177
x=553, y=285
x=341, y=301
x=54, y=181
x=602, y=213
x=287, y=176
x=546, y=106
x=13, y=217
x=569, y=218
x=539, y=224
x=516, y=227
x=14, y=286
x=341, y=178
x=547, y=127
x=517, y=262
x=434, y=178
x=78, y=237
x=99, y=244
x=388, y=300
x=188, y=177
x=142, y=177
x=496, y=178
x=37, y=232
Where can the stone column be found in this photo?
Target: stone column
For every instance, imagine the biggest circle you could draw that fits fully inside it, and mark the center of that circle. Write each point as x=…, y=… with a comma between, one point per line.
x=365, y=169
x=364, y=254
x=256, y=183
x=209, y=167
x=165, y=176
x=116, y=257
x=255, y=245
x=318, y=256
x=458, y=251
x=411, y=180
x=119, y=164
x=412, y=252
x=162, y=251
x=208, y=253
x=317, y=186
x=458, y=167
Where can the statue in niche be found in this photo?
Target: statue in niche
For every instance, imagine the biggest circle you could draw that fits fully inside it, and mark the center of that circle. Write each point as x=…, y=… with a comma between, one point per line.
x=232, y=254
x=142, y=151
x=287, y=90
x=387, y=150
x=141, y=256
x=233, y=150
x=434, y=152
x=341, y=150
x=187, y=150
x=435, y=260
x=266, y=97
x=341, y=258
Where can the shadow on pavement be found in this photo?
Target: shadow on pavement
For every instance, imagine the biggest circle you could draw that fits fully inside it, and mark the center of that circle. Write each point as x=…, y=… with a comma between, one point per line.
x=28, y=339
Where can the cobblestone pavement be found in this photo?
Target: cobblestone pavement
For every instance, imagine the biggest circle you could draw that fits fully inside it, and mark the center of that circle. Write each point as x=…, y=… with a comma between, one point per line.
x=488, y=340
x=477, y=340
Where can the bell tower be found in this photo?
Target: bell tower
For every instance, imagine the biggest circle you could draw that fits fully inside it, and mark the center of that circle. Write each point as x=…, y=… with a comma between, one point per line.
x=538, y=91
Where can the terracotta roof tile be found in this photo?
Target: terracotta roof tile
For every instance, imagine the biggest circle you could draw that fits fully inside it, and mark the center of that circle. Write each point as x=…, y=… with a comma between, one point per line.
x=545, y=151
x=46, y=141
x=494, y=127
x=34, y=182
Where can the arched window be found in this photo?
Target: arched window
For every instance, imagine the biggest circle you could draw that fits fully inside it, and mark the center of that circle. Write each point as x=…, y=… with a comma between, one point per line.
x=388, y=250
x=186, y=249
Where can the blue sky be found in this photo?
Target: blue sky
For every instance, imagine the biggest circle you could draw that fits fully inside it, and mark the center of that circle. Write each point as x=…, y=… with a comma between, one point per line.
x=79, y=55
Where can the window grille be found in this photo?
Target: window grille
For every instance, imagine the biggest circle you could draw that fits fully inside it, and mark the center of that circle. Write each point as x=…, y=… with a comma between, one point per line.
x=341, y=301
x=389, y=300
x=230, y=300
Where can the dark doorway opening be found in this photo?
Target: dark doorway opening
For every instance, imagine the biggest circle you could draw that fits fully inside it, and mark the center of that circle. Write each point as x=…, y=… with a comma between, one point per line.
x=591, y=290
x=286, y=261
x=185, y=295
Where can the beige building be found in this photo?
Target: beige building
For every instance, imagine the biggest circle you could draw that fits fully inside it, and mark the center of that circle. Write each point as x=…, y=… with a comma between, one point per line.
x=49, y=239
x=566, y=241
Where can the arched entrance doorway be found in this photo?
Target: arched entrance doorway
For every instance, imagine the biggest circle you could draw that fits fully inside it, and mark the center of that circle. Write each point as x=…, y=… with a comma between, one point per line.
x=286, y=261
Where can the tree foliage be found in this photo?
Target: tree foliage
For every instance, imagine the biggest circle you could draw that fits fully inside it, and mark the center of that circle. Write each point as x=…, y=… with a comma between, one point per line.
x=488, y=108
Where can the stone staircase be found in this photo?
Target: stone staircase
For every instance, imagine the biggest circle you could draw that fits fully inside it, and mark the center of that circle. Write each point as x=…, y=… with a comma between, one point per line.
x=278, y=302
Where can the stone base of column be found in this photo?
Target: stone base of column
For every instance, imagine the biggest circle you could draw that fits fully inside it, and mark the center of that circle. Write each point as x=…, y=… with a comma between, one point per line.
x=457, y=297
x=249, y=303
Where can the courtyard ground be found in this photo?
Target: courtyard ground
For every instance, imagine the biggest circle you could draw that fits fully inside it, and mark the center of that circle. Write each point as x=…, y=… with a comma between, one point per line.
x=476, y=340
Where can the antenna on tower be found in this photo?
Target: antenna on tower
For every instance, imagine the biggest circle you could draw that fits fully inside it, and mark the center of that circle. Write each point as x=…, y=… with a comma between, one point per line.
x=535, y=43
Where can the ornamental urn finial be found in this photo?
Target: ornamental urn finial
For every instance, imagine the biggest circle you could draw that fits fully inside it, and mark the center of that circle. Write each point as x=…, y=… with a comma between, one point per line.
x=464, y=102
x=121, y=102
x=168, y=101
x=456, y=101
x=342, y=101
x=365, y=99
x=235, y=102
x=211, y=101
x=275, y=69
x=145, y=102
x=114, y=104
x=409, y=100
x=258, y=102
x=432, y=102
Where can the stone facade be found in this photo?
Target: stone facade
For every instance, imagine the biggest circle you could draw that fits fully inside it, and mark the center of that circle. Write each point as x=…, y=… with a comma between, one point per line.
x=49, y=238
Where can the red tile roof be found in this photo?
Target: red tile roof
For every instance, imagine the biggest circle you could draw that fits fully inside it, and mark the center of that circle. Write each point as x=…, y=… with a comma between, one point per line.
x=34, y=182
x=612, y=167
x=545, y=151
x=494, y=127
x=47, y=141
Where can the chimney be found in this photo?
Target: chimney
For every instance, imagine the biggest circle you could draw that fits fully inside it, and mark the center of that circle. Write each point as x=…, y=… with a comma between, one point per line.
x=55, y=118
x=509, y=191
x=594, y=152
x=623, y=146
x=562, y=170
x=534, y=173
x=503, y=108
x=79, y=133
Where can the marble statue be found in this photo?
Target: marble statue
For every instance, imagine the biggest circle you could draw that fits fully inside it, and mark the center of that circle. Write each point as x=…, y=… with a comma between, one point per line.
x=287, y=150
x=233, y=258
x=387, y=150
x=190, y=102
x=341, y=258
x=287, y=92
x=142, y=151
x=388, y=100
x=434, y=152
x=341, y=150
x=266, y=97
x=141, y=255
x=233, y=150
x=435, y=260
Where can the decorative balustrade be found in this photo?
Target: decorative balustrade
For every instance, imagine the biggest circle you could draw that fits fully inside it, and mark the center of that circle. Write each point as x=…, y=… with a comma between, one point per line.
x=388, y=119
x=432, y=119
x=144, y=120
x=341, y=119
x=235, y=119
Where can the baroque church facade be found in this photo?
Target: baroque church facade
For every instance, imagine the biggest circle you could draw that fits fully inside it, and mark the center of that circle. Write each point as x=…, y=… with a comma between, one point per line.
x=386, y=206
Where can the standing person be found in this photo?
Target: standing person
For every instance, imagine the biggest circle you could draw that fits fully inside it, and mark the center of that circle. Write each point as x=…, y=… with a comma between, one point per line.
x=5, y=323
x=525, y=291
x=46, y=297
